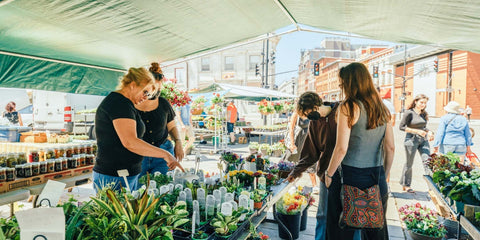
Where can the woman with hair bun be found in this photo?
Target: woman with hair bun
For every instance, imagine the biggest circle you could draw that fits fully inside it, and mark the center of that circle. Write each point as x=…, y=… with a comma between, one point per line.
x=119, y=129
x=159, y=118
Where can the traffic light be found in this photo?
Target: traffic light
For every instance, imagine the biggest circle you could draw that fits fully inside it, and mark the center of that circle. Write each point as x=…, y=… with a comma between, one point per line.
x=257, y=70
x=435, y=65
x=272, y=58
x=316, y=69
x=375, y=71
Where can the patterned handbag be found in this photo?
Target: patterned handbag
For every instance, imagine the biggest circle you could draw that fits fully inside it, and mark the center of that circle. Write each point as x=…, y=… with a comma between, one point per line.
x=362, y=208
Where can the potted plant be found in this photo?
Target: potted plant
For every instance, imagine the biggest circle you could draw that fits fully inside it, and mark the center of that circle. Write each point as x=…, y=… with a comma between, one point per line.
x=225, y=225
x=200, y=235
x=175, y=96
x=257, y=199
x=260, y=163
x=264, y=148
x=284, y=168
x=278, y=106
x=278, y=149
x=217, y=99
x=289, y=211
x=422, y=222
x=232, y=160
x=250, y=163
x=253, y=147
x=308, y=195
x=198, y=105
x=265, y=107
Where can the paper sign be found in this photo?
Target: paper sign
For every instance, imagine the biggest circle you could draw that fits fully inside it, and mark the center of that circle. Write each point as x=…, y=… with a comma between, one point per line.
x=41, y=223
x=51, y=194
x=124, y=173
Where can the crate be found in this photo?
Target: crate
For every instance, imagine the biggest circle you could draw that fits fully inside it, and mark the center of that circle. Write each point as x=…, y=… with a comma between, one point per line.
x=21, y=183
x=58, y=175
x=242, y=140
x=12, y=134
x=82, y=170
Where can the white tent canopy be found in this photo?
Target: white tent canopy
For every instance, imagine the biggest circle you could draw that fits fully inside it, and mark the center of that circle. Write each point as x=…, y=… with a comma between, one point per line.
x=246, y=92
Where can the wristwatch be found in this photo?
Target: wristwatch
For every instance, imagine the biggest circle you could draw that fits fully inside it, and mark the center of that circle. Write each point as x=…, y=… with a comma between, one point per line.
x=326, y=174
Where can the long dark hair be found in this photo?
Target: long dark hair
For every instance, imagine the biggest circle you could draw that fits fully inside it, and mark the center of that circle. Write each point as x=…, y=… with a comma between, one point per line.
x=308, y=101
x=412, y=105
x=357, y=85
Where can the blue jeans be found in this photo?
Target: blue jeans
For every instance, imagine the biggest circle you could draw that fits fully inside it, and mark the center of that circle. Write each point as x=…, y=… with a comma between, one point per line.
x=457, y=149
x=413, y=145
x=230, y=127
x=102, y=180
x=152, y=165
x=321, y=227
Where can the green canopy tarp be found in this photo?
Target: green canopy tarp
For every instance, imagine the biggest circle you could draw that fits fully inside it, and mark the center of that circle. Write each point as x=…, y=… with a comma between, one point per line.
x=117, y=34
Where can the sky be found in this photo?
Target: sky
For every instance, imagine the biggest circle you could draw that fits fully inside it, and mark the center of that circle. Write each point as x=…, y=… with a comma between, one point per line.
x=288, y=50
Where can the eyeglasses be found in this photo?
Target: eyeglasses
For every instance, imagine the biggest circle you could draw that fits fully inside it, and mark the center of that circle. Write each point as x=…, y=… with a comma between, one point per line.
x=147, y=93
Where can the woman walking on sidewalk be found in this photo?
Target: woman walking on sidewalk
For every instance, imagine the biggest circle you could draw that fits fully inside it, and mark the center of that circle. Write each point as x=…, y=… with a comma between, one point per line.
x=363, y=123
x=414, y=123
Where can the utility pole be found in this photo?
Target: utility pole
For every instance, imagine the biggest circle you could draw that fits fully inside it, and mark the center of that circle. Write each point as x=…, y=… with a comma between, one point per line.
x=450, y=70
x=267, y=57
x=404, y=81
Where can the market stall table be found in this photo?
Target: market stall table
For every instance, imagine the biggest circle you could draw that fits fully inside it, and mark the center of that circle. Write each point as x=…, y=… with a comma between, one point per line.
x=268, y=134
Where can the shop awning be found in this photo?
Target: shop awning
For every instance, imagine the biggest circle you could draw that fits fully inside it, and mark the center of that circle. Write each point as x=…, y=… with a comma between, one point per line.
x=117, y=34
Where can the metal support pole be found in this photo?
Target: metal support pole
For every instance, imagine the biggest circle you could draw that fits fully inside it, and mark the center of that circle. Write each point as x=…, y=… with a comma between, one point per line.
x=404, y=94
x=450, y=70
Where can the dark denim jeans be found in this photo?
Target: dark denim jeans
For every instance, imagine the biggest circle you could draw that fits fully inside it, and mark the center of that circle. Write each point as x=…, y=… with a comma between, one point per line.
x=101, y=180
x=412, y=145
x=361, y=178
x=152, y=165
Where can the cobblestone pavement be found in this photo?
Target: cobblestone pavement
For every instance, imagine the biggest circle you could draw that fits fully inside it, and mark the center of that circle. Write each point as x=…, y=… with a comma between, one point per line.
x=397, y=198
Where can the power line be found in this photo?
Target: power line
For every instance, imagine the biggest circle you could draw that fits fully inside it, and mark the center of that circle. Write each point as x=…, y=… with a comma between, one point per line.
x=283, y=72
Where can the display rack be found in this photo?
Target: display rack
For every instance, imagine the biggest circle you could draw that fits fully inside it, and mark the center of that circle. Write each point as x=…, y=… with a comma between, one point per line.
x=219, y=133
x=88, y=120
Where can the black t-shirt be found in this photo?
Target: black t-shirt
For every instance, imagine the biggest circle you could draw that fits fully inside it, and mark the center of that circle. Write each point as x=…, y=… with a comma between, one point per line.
x=112, y=155
x=156, y=122
x=11, y=116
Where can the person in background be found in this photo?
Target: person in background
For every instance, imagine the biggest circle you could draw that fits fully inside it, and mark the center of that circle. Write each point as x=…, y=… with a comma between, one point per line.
x=453, y=133
x=390, y=107
x=159, y=118
x=316, y=152
x=363, y=125
x=201, y=124
x=187, y=128
x=468, y=111
x=414, y=123
x=232, y=115
x=119, y=129
x=12, y=115
x=298, y=130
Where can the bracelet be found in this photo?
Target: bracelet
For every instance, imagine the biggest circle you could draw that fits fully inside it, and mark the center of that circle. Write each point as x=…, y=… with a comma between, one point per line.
x=326, y=174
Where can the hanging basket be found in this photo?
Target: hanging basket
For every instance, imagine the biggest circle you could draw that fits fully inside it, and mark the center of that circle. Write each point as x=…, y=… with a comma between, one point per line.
x=196, y=111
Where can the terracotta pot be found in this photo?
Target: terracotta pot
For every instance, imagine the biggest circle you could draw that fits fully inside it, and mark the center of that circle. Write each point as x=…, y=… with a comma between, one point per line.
x=257, y=205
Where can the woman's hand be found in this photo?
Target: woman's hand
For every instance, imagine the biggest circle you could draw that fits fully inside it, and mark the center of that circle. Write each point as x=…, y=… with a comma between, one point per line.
x=291, y=178
x=179, y=154
x=435, y=149
x=421, y=133
x=172, y=162
x=293, y=148
x=430, y=136
x=328, y=181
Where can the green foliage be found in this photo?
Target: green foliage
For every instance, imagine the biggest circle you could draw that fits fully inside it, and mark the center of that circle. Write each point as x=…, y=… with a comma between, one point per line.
x=161, y=179
x=200, y=235
x=225, y=225
x=9, y=229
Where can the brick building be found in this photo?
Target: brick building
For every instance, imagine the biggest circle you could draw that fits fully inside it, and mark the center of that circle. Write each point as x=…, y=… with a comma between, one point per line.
x=326, y=83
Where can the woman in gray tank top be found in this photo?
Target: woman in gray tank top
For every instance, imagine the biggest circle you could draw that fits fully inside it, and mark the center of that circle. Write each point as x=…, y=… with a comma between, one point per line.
x=363, y=123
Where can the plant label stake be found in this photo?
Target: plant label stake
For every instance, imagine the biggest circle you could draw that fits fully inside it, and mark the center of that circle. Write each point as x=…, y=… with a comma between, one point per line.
x=193, y=222
x=124, y=173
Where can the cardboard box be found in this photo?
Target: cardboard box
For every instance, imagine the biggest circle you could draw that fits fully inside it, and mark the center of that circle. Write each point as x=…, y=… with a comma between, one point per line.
x=31, y=137
x=58, y=175
x=242, y=140
x=82, y=170
x=21, y=183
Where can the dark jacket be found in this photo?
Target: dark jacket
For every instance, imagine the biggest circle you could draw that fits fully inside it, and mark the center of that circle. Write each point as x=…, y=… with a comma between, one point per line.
x=319, y=144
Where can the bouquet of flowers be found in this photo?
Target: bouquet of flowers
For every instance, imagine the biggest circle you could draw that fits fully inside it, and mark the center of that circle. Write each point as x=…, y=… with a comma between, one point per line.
x=285, y=166
x=422, y=220
x=292, y=204
x=308, y=195
x=265, y=107
x=279, y=107
x=217, y=98
x=175, y=96
x=252, y=158
x=198, y=105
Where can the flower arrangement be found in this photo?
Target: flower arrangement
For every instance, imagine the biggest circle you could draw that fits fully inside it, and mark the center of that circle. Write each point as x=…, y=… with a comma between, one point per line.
x=213, y=109
x=252, y=158
x=212, y=123
x=307, y=194
x=422, y=220
x=175, y=96
x=278, y=106
x=264, y=148
x=271, y=179
x=285, y=166
x=198, y=105
x=273, y=168
x=289, y=106
x=265, y=107
x=292, y=203
x=217, y=98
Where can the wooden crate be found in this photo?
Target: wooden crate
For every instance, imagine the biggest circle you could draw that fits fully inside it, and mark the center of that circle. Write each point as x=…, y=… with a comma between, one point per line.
x=443, y=210
x=82, y=170
x=242, y=140
x=21, y=183
x=58, y=175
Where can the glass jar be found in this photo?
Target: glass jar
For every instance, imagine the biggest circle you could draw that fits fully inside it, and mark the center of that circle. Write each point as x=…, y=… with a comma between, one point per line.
x=69, y=151
x=90, y=159
x=19, y=171
x=35, y=169
x=50, y=153
x=72, y=163
x=77, y=159
x=58, y=165
x=41, y=155
x=81, y=149
x=43, y=167
x=88, y=149
x=22, y=158
x=27, y=170
x=10, y=172
x=60, y=152
x=83, y=160
x=3, y=175
x=3, y=160
x=64, y=163
x=94, y=148
x=11, y=160
x=76, y=150
x=50, y=166
x=33, y=156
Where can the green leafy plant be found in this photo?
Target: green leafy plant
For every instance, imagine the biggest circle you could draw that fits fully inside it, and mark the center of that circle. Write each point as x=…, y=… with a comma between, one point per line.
x=257, y=195
x=254, y=145
x=422, y=220
x=161, y=179
x=200, y=235
x=9, y=229
x=226, y=225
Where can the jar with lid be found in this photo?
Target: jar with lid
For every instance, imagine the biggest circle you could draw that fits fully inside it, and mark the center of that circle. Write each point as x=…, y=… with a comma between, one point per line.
x=22, y=158
x=89, y=159
x=60, y=152
x=64, y=163
x=41, y=155
x=77, y=159
x=72, y=163
x=94, y=148
x=12, y=159
x=50, y=166
x=3, y=175
x=58, y=165
x=3, y=160
x=81, y=148
x=69, y=151
x=33, y=156
x=27, y=170
x=35, y=169
x=10, y=174
x=83, y=160
x=50, y=153
x=88, y=148
x=43, y=167
x=76, y=150
x=19, y=171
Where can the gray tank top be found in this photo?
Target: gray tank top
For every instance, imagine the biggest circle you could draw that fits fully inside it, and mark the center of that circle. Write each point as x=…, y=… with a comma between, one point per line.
x=364, y=146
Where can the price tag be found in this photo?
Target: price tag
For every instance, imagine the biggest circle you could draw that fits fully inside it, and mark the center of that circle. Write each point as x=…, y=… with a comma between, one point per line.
x=124, y=173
